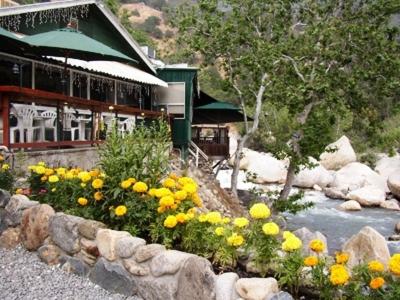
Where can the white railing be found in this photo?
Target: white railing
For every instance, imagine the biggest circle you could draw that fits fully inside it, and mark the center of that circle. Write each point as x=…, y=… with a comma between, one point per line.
x=196, y=152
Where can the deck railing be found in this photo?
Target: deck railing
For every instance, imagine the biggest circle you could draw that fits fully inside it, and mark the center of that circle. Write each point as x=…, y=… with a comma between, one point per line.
x=94, y=112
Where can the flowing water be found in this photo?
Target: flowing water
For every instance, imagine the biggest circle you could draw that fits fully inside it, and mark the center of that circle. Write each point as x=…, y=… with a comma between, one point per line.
x=338, y=226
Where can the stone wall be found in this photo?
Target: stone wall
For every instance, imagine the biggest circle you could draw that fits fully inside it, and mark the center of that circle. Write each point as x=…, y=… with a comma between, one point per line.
x=118, y=261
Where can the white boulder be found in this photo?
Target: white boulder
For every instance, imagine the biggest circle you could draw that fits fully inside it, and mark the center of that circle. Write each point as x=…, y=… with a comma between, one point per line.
x=390, y=204
x=343, y=154
x=368, y=196
x=256, y=288
x=350, y=205
x=309, y=177
x=388, y=165
x=393, y=183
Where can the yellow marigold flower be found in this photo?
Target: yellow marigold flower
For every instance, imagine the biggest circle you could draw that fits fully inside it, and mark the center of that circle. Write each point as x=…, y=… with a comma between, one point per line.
x=174, y=206
x=170, y=221
x=270, y=228
x=152, y=192
x=394, y=264
x=259, y=211
x=173, y=176
x=125, y=184
x=61, y=171
x=161, y=192
x=169, y=183
x=5, y=167
x=97, y=183
x=202, y=218
x=214, y=217
x=53, y=179
x=240, y=222
x=83, y=185
x=376, y=266
x=94, y=172
x=53, y=190
x=98, y=196
x=292, y=243
x=82, y=201
x=43, y=178
x=219, y=231
x=235, y=240
x=48, y=172
x=186, y=180
x=339, y=275
x=120, y=210
x=191, y=210
x=180, y=195
x=32, y=168
x=41, y=163
x=190, y=188
x=341, y=257
x=226, y=220
x=181, y=218
x=40, y=170
x=376, y=283
x=140, y=187
x=197, y=200
x=190, y=216
x=18, y=191
x=167, y=201
x=311, y=261
x=69, y=175
x=161, y=209
x=132, y=180
x=84, y=176
x=287, y=234
x=317, y=246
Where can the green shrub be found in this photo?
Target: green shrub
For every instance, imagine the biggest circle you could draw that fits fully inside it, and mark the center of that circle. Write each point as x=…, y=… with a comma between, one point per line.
x=6, y=175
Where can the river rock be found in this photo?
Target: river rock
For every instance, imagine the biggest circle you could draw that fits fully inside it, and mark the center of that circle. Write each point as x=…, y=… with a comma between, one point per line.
x=35, y=225
x=309, y=177
x=168, y=262
x=243, y=164
x=50, y=254
x=15, y=207
x=390, y=204
x=4, y=197
x=350, y=205
x=397, y=227
x=146, y=252
x=280, y=296
x=256, y=288
x=394, y=237
x=267, y=168
x=134, y=268
x=10, y=238
x=106, y=240
x=73, y=265
x=64, y=232
x=306, y=236
x=89, y=228
x=365, y=246
x=386, y=166
x=394, y=184
x=3, y=220
x=343, y=154
x=368, y=196
x=113, y=277
x=90, y=247
x=334, y=193
x=225, y=286
x=126, y=246
x=355, y=176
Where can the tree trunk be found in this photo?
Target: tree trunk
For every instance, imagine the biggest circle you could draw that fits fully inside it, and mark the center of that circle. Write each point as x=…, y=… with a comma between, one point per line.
x=236, y=164
x=289, y=182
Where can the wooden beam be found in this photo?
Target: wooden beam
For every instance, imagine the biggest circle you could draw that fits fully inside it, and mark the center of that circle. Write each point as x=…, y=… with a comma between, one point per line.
x=55, y=144
x=5, y=111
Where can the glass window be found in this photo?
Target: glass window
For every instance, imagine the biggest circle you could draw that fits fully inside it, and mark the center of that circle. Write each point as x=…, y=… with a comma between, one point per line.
x=129, y=94
x=171, y=98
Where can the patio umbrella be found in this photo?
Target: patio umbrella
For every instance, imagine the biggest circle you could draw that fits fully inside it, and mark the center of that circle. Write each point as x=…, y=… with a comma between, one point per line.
x=9, y=42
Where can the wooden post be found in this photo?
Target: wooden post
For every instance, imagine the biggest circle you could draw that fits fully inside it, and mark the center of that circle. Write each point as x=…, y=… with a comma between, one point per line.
x=5, y=110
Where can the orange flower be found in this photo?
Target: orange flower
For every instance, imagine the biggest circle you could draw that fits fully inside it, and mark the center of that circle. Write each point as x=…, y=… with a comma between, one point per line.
x=376, y=283
x=311, y=261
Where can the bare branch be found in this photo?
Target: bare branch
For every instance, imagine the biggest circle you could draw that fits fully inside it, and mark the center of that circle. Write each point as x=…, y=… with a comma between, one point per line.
x=295, y=67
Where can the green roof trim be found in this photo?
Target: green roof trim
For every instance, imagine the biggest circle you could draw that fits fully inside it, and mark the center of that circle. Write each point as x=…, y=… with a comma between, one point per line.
x=219, y=105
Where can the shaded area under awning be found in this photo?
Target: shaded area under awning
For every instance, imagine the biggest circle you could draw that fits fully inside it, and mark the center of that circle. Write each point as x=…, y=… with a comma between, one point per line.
x=208, y=110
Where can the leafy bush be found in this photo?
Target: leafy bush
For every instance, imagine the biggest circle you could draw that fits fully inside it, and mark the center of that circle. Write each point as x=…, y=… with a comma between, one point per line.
x=6, y=175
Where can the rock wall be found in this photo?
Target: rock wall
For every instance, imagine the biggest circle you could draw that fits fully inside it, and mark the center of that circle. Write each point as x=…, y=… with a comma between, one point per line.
x=117, y=261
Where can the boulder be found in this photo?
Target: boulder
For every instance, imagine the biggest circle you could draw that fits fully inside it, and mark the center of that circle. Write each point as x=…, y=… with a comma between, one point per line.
x=106, y=240
x=256, y=288
x=316, y=175
x=4, y=197
x=365, y=246
x=73, y=265
x=88, y=228
x=89, y=251
x=113, y=277
x=267, y=168
x=50, y=254
x=397, y=227
x=146, y=252
x=126, y=246
x=134, y=268
x=64, y=232
x=243, y=164
x=306, y=236
x=225, y=286
x=168, y=262
x=15, y=207
x=280, y=296
x=10, y=238
x=368, y=196
x=35, y=225
x=350, y=205
x=342, y=154
x=390, y=204
x=334, y=193
x=393, y=183
x=386, y=166
x=355, y=176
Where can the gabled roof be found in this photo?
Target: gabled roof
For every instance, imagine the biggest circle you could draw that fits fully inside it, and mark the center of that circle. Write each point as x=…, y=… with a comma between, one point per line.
x=29, y=8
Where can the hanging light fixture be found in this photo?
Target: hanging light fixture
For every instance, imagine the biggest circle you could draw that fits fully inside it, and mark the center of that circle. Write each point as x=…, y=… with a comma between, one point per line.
x=15, y=69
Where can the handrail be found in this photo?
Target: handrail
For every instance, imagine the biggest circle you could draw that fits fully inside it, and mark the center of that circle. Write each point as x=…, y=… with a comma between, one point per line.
x=199, y=150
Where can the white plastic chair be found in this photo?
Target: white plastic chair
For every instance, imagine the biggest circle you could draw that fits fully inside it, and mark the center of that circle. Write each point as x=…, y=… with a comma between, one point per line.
x=50, y=123
x=67, y=125
x=25, y=116
x=127, y=126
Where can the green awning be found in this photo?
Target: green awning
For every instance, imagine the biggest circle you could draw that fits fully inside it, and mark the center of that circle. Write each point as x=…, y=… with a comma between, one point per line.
x=219, y=105
x=10, y=43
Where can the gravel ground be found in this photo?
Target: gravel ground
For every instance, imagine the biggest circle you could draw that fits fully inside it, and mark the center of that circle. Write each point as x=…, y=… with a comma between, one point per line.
x=24, y=276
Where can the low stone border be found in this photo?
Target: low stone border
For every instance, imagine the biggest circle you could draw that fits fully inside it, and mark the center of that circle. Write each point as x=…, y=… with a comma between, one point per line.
x=119, y=262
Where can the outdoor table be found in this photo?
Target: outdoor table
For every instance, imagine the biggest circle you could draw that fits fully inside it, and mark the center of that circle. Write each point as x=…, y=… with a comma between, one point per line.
x=82, y=125
x=42, y=124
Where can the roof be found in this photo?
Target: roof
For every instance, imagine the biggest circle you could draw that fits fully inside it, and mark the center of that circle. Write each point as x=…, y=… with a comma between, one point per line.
x=218, y=105
x=29, y=8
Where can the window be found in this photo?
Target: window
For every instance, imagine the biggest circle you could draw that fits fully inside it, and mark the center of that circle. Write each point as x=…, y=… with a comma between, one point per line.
x=172, y=99
x=79, y=85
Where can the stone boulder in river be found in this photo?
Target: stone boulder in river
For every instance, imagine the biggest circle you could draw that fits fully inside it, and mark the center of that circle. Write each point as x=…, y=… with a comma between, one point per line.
x=394, y=184
x=386, y=166
x=343, y=154
x=306, y=236
x=350, y=205
x=368, y=196
x=309, y=177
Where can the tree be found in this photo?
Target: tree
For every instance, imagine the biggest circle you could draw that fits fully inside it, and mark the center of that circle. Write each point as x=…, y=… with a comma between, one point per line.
x=315, y=59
